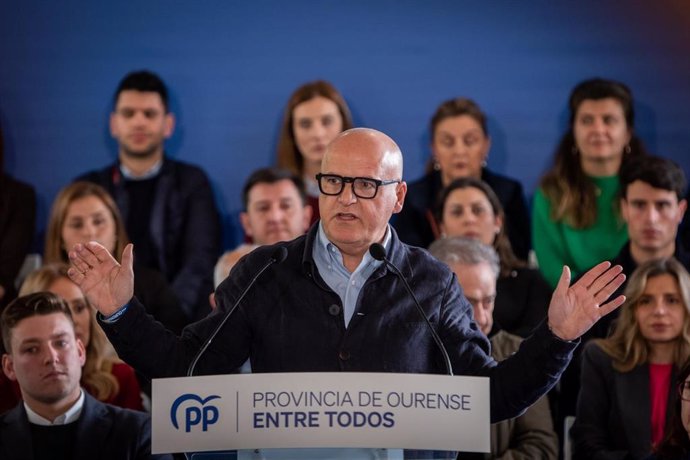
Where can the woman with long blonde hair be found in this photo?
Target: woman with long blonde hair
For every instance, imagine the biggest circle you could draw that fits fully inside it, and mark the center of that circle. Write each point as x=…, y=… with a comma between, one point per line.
x=82, y=212
x=627, y=388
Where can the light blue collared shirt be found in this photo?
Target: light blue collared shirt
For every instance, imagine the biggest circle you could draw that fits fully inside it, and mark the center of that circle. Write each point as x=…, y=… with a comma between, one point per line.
x=129, y=175
x=329, y=261
x=72, y=414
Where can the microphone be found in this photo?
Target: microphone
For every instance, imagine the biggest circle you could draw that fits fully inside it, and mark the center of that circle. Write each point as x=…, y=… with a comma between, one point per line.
x=379, y=253
x=278, y=256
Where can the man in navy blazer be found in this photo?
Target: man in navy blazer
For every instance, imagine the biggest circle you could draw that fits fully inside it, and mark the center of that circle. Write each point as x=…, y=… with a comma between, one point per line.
x=167, y=205
x=652, y=205
x=57, y=419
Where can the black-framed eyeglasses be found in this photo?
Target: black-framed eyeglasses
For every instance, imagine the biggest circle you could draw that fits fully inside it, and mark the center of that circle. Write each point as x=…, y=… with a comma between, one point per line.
x=684, y=391
x=362, y=187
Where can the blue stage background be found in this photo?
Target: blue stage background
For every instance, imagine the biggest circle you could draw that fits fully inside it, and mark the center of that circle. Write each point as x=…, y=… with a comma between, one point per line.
x=231, y=66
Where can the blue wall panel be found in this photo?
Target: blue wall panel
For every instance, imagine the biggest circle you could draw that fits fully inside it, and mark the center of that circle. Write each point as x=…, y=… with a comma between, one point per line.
x=231, y=65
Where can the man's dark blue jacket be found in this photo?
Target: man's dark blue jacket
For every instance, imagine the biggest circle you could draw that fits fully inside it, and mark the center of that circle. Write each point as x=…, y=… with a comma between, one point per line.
x=291, y=321
x=184, y=227
x=103, y=432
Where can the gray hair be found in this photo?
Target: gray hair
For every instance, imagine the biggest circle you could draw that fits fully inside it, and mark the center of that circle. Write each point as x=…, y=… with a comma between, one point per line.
x=465, y=251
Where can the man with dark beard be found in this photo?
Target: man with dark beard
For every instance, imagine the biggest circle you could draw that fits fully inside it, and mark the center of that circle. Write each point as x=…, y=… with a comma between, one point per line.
x=167, y=205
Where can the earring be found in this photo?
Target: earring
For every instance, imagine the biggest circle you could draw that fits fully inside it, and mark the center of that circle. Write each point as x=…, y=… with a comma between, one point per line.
x=437, y=166
x=573, y=149
x=627, y=149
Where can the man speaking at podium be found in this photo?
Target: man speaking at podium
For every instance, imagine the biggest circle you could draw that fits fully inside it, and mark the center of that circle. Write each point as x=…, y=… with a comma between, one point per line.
x=326, y=303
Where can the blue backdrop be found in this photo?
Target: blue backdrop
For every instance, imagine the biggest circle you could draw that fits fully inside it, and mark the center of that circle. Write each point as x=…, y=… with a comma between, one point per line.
x=231, y=66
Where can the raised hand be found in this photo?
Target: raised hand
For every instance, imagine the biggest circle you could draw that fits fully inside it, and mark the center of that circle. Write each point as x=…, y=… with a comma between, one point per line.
x=574, y=309
x=107, y=284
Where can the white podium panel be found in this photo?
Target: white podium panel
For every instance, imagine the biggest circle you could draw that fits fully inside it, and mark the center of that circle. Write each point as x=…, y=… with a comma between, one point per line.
x=298, y=410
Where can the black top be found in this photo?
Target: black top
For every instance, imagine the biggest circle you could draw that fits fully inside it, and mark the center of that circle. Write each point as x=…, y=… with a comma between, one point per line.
x=142, y=194
x=54, y=442
x=184, y=227
x=522, y=301
x=103, y=432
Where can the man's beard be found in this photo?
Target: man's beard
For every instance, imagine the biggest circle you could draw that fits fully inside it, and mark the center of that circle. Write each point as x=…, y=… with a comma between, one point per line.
x=140, y=154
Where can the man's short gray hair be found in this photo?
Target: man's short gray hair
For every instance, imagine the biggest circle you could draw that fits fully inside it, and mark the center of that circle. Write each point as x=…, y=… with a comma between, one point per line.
x=465, y=251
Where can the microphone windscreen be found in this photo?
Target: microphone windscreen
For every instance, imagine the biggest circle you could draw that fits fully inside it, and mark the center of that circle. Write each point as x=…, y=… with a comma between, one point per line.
x=377, y=251
x=280, y=254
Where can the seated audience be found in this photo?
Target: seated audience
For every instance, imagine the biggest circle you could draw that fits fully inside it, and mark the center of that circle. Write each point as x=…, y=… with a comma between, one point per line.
x=575, y=217
x=627, y=389
x=531, y=435
x=17, y=219
x=168, y=206
x=652, y=205
x=57, y=420
x=469, y=208
x=83, y=211
x=676, y=443
x=104, y=376
x=315, y=114
x=275, y=209
x=460, y=146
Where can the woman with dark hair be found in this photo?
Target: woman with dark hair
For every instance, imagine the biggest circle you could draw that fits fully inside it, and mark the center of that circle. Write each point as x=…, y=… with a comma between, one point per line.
x=676, y=443
x=469, y=208
x=627, y=389
x=315, y=114
x=460, y=146
x=17, y=220
x=575, y=217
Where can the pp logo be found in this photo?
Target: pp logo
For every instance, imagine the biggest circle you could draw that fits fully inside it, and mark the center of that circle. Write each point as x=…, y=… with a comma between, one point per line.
x=195, y=414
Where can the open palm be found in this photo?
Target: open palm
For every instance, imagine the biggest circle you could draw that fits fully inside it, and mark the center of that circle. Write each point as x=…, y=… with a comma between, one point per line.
x=107, y=284
x=574, y=309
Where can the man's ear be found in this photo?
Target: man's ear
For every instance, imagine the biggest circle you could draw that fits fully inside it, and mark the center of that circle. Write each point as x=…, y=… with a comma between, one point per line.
x=8, y=367
x=82, y=352
x=400, y=192
x=624, y=209
x=169, y=125
x=113, y=126
x=246, y=224
x=682, y=206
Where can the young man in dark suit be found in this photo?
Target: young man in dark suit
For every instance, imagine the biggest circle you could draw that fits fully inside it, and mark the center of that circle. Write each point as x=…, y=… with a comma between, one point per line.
x=652, y=204
x=168, y=205
x=57, y=419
